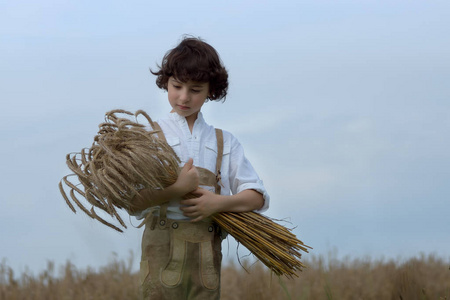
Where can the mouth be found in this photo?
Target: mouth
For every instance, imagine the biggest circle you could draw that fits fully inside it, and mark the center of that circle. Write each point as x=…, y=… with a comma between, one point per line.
x=182, y=107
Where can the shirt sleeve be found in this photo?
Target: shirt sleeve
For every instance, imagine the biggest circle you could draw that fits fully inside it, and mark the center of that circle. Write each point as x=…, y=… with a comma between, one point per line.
x=242, y=174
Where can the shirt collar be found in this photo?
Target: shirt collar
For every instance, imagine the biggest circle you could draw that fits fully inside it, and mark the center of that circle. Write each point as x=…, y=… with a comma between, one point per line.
x=176, y=117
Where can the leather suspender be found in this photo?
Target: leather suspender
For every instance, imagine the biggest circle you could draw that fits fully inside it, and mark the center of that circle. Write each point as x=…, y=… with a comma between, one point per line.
x=219, y=137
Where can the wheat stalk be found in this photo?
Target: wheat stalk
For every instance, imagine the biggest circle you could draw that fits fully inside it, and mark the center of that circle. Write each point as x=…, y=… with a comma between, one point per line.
x=126, y=158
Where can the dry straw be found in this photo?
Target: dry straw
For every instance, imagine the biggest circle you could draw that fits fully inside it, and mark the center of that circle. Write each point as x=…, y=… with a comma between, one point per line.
x=126, y=157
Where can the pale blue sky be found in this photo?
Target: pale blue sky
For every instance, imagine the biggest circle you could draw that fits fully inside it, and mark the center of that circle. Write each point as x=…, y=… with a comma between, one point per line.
x=342, y=107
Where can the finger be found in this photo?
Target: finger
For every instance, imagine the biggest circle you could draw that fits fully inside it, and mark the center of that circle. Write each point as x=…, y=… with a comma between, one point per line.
x=188, y=202
x=193, y=171
x=198, y=192
x=192, y=215
x=188, y=164
x=197, y=219
x=188, y=209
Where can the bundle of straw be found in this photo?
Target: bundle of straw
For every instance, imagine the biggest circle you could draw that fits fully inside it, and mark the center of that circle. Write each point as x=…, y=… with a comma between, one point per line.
x=126, y=158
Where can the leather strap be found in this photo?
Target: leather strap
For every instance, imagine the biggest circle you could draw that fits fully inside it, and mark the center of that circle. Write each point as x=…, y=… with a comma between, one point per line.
x=219, y=137
x=206, y=177
x=163, y=215
x=163, y=207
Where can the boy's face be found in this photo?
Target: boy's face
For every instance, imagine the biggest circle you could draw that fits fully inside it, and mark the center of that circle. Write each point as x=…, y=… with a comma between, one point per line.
x=187, y=98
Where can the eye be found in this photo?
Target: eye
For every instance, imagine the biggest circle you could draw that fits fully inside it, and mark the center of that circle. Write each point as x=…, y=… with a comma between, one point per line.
x=196, y=91
x=176, y=86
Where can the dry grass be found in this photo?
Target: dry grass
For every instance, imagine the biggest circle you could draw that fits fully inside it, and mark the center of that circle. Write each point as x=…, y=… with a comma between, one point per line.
x=425, y=277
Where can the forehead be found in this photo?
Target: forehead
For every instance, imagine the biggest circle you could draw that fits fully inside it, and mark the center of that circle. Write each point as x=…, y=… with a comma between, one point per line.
x=189, y=82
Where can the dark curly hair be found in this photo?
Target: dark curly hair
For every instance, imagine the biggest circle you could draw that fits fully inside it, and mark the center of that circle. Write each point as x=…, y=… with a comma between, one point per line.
x=193, y=59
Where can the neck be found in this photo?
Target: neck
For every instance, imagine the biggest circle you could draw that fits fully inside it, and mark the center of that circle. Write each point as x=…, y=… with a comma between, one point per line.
x=191, y=120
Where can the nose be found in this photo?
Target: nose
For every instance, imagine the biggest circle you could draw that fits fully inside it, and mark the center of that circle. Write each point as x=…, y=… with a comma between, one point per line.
x=184, y=96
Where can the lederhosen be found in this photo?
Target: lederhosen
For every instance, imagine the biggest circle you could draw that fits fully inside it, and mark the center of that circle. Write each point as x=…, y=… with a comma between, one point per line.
x=182, y=259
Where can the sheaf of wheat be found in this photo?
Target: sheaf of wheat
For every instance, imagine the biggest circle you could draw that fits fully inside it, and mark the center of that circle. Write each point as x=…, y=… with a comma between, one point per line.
x=127, y=157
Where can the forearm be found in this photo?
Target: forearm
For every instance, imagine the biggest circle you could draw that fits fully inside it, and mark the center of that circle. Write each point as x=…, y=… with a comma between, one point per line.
x=247, y=200
x=151, y=197
x=187, y=181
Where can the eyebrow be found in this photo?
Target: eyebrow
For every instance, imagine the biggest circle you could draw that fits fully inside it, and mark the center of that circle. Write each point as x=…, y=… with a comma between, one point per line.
x=199, y=85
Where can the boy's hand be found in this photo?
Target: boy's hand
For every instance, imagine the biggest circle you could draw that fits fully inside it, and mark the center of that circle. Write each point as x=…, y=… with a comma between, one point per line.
x=202, y=207
x=188, y=179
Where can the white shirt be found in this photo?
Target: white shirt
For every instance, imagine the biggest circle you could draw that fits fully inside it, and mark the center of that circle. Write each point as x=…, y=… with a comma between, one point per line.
x=201, y=145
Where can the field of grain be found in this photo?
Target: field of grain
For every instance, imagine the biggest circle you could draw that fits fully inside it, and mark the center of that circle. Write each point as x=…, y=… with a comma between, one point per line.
x=424, y=277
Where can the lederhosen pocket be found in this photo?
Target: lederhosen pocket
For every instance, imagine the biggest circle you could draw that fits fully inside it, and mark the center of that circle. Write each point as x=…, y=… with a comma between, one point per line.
x=186, y=238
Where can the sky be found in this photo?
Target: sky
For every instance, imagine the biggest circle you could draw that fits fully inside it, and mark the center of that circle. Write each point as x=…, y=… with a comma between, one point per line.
x=342, y=108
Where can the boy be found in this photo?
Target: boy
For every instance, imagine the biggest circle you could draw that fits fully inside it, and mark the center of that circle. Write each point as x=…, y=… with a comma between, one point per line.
x=181, y=247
